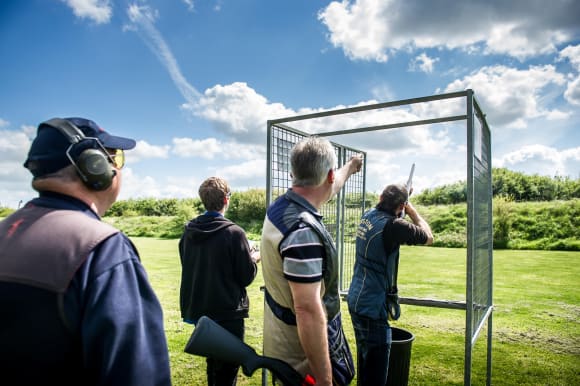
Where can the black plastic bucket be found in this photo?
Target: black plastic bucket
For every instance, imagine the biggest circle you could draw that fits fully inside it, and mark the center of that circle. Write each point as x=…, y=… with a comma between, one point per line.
x=400, y=357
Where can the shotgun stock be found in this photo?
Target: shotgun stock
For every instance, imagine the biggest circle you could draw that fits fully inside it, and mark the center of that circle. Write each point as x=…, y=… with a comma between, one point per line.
x=209, y=339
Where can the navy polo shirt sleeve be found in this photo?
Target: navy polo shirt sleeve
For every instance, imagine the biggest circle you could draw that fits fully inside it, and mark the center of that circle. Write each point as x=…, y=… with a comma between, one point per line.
x=400, y=231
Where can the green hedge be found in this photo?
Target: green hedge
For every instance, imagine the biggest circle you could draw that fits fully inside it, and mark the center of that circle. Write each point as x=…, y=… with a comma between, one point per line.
x=552, y=225
x=547, y=225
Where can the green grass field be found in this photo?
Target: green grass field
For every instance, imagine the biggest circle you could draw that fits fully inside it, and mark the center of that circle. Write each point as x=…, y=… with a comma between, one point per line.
x=536, y=327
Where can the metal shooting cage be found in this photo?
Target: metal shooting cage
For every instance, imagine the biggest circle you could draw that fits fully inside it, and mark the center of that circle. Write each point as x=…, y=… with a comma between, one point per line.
x=343, y=212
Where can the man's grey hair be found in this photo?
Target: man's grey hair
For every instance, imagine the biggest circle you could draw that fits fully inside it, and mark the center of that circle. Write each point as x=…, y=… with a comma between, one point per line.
x=310, y=160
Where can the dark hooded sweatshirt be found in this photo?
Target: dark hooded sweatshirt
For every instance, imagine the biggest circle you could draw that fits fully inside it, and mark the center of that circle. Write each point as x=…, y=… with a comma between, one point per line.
x=216, y=269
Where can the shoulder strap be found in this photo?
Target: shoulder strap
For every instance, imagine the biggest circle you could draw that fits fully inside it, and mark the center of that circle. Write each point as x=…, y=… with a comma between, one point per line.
x=309, y=219
x=35, y=239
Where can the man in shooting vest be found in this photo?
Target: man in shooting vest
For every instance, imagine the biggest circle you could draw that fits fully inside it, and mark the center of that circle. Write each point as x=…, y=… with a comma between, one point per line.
x=302, y=320
x=372, y=295
x=77, y=306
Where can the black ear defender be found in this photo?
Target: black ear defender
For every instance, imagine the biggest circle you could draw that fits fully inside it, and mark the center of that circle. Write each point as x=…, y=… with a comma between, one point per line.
x=87, y=154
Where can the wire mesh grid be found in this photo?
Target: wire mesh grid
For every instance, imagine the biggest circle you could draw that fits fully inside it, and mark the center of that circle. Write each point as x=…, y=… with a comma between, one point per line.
x=341, y=214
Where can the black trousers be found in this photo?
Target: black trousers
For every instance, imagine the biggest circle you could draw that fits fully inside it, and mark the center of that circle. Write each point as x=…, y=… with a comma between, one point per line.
x=223, y=373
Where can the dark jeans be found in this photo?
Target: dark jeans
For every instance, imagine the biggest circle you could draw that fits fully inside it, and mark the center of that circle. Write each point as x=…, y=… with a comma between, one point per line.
x=223, y=373
x=373, y=348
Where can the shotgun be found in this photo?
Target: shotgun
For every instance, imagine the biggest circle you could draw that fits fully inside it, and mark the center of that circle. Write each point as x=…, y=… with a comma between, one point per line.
x=409, y=186
x=209, y=339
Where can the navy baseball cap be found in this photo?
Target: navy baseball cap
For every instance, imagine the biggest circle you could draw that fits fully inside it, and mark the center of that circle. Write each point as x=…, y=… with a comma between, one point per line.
x=47, y=153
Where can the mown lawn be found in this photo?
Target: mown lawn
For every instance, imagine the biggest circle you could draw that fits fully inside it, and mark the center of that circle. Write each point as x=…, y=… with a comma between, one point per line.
x=536, y=328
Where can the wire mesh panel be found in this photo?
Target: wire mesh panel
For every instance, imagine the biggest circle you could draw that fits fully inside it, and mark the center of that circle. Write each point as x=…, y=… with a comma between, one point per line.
x=341, y=214
x=280, y=143
x=480, y=236
x=482, y=239
x=353, y=207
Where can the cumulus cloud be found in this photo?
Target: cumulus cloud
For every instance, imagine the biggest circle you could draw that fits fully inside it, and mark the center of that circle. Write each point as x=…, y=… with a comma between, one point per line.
x=99, y=11
x=423, y=63
x=383, y=92
x=210, y=148
x=546, y=160
x=142, y=186
x=246, y=171
x=572, y=54
x=375, y=29
x=510, y=97
x=237, y=110
x=144, y=150
x=136, y=186
x=14, y=145
x=572, y=93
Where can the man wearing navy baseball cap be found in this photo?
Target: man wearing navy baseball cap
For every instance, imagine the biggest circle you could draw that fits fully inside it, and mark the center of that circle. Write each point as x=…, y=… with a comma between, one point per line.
x=59, y=142
x=77, y=304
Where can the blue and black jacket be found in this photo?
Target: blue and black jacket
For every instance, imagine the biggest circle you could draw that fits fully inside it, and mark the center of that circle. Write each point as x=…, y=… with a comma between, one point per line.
x=76, y=302
x=373, y=289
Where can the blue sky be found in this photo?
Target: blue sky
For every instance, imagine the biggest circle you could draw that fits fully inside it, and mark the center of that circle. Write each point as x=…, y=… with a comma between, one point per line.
x=194, y=82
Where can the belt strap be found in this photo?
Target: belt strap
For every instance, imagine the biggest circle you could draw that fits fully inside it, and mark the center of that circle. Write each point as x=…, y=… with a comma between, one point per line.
x=283, y=313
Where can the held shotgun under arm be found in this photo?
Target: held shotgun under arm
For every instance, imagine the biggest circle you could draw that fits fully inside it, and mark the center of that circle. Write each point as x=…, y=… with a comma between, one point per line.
x=409, y=186
x=211, y=340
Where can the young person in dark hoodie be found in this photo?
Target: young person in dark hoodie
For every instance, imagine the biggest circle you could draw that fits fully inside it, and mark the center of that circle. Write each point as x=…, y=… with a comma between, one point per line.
x=217, y=265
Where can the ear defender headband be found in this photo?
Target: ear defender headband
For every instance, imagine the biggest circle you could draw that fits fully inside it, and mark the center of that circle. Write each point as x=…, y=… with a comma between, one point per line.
x=87, y=155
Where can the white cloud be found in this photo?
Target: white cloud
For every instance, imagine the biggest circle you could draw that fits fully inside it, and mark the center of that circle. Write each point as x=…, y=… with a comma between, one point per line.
x=14, y=145
x=203, y=148
x=143, y=21
x=383, y=92
x=138, y=186
x=15, y=178
x=544, y=159
x=181, y=187
x=190, y=5
x=135, y=186
x=373, y=29
x=211, y=148
x=144, y=150
x=99, y=11
x=555, y=115
x=246, y=171
x=572, y=93
x=4, y=123
x=237, y=111
x=359, y=28
x=510, y=97
x=423, y=63
x=572, y=53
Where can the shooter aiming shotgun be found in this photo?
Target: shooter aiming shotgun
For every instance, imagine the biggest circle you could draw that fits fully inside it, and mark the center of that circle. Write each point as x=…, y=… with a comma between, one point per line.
x=209, y=339
x=393, y=307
